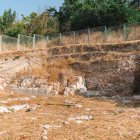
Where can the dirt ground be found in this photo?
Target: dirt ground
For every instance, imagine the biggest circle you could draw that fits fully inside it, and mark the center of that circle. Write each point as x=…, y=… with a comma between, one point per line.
x=67, y=118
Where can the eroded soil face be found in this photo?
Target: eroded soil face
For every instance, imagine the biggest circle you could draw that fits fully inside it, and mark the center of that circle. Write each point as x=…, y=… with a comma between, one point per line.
x=66, y=118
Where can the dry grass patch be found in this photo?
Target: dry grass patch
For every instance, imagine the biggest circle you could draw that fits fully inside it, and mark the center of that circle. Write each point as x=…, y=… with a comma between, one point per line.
x=109, y=120
x=49, y=70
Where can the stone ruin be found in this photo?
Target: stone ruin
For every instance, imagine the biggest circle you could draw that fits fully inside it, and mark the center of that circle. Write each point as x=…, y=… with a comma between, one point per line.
x=102, y=70
x=119, y=75
x=105, y=70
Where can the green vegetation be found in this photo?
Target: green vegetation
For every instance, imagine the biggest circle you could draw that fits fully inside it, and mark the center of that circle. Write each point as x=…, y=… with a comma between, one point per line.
x=7, y=20
x=73, y=15
x=79, y=14
x=43, y=24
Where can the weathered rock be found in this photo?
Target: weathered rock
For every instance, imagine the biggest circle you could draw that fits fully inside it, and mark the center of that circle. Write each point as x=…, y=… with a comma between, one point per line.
x=3, y=83
x=81, y=118
x=53, y=88
x=44, y=135
x=4, y=110
x=53, y=92
x=69, y=91
x=82, y=91
x=35, y=85
x=78, y=106
x=136, y=97
x=126, y=101
x=76, y=85
x=116, y=97
x=89, y=94
x=26, y=82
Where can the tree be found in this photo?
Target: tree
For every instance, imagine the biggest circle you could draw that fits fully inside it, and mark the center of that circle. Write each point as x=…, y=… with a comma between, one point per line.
x=81, y=14
x=7, y=20
x=45, y=23
x=16, y=28
x=67, y=12
x=42, y=24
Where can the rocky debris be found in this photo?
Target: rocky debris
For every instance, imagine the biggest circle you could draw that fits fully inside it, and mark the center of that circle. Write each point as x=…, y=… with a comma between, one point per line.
x=4, y=110
x=80, y=82
x=68, y=102
x=136, y=97
x=105, y=97
x=30, y=82
x=32, y=108
x=19, y=107
x=71, y=90
x=89, y=93
x=126, y=102
x=81, y=118
x=36, y=86
x=78, y=106
x=76, y=86
x=51, y=126
x=26, y=82
x=16, y=108
x=92, y=93
x=3, y=83
x=44, y=135
x=44, y=132
x=53, y=88
x=97, y=86
x=116, y=97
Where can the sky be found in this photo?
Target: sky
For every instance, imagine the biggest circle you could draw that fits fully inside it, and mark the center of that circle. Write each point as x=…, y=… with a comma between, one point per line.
x=25, y=7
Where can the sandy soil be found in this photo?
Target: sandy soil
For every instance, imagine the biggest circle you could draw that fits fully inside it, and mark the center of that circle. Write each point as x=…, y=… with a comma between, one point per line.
x=67, y=118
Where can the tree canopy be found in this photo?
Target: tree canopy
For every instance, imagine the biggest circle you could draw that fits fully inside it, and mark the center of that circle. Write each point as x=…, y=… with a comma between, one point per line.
x=79, y=14
x=7, y=20
x=72, y=15
x=42, y=24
